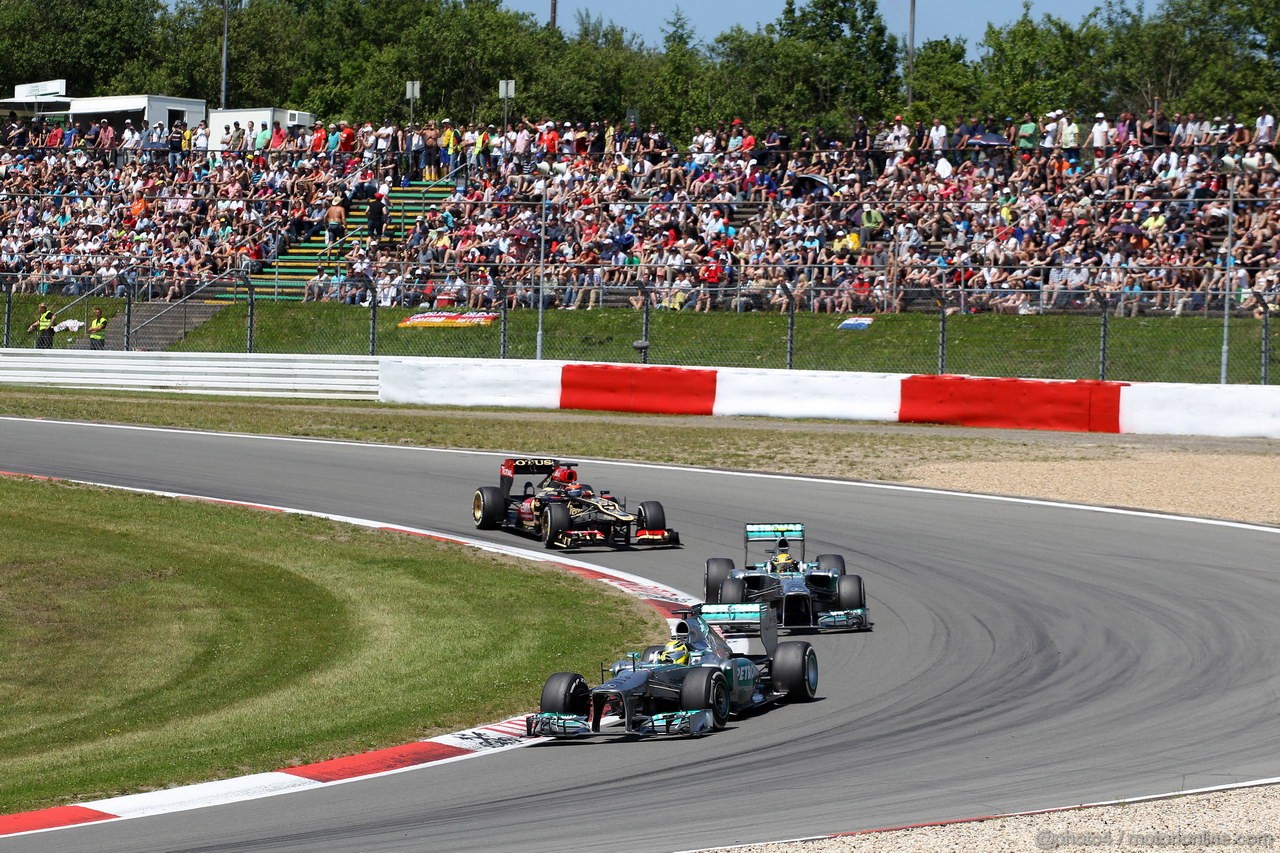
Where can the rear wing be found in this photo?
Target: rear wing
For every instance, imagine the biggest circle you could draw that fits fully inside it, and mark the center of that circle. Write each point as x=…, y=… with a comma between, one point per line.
x=526, y=467
x=781, y=534
x=743, y=620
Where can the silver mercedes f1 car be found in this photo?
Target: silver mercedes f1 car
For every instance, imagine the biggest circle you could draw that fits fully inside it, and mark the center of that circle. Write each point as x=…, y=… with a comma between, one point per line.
x=690, y=686
x=564, y=512
x=803, y=594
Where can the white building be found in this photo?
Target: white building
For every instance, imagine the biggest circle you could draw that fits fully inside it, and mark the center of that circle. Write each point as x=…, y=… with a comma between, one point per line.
x=220, y=119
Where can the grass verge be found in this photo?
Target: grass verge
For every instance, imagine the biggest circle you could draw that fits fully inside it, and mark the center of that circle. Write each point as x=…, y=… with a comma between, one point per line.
x=146, y=642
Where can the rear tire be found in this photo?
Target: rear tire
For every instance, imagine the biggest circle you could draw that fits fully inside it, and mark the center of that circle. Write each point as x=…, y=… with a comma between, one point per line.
x=566, y=693
x=487, y=507
x=651, y=516
x=555, y=520
x=704, y=688
x=718, y=571
x=849, y=593
x=831, y=563
x=733, y=591
x=795, y=670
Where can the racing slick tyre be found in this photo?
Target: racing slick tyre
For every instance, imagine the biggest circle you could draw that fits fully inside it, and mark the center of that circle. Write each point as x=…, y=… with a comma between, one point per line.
x=795, y=670
x=849, y=593
x=651, y=516
x=566, y=693
x=704, y=688
x=486, y=507
x=733, y=591
x=718, y=571
x=831, y=563
x=555, y=520
x=650, y=654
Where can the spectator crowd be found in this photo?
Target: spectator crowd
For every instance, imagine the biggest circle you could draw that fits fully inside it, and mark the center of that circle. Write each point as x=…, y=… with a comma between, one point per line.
x=1132, y=212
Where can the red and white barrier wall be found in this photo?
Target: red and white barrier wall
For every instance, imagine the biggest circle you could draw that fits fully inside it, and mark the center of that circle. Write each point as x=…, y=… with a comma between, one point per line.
x=1081, y=406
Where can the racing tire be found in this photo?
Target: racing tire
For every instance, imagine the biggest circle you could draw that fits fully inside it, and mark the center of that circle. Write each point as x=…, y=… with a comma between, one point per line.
x=555, y=520
x=704, y=688
x=487, y=507
x=718, y=571
x=566, y=693
x=733, y=591
x=831, y=563
x=849, y=593
x=795, y=670
x=651, y=516
x=650, y=654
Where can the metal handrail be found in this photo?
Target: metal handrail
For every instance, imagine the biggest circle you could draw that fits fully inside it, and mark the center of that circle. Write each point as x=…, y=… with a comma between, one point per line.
x=185, y=299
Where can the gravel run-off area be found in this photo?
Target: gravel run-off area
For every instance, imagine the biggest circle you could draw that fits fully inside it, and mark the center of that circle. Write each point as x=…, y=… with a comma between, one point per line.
x=1219, y=478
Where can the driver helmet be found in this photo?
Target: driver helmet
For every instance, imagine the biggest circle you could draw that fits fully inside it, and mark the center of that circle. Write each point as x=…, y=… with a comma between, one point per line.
x=783, y=563
x=676, y=651
x=574, y=490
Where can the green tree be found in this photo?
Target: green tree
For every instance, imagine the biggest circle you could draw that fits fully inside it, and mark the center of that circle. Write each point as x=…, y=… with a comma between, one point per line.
x=946, y=83
x=1036, y=66
x=85, y=42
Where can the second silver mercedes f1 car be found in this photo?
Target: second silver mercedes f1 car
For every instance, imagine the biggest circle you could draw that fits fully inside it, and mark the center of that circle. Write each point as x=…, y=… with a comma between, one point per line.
x=803, y=594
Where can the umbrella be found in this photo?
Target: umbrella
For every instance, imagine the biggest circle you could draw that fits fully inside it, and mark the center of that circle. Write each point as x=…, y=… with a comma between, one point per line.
x=806, y=184
x=521, y=234
x=989, y=140
x=1125, y=228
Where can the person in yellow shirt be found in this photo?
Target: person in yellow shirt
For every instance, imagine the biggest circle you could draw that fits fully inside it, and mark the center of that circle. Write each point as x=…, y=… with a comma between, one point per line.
x=98, y=330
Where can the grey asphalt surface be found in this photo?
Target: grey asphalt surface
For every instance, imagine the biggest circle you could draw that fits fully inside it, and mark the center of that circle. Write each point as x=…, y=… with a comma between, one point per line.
x=1024, y=656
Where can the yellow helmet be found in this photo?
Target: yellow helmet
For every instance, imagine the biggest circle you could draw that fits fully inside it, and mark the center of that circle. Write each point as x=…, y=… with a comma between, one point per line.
x=784, y=563
x=676, y=651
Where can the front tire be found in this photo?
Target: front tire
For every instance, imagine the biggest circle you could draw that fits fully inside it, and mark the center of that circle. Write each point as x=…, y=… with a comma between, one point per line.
x=718, y=571
x=487, y=507
x=651, y=516
x=650, y=654
x=555, y=520
x=704, y=688
x=850, y=594
x=733, y=591
x=566, y=693
x=795, y=670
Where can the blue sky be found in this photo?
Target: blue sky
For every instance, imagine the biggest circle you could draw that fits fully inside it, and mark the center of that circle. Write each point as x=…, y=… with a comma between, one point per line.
x=934, y=18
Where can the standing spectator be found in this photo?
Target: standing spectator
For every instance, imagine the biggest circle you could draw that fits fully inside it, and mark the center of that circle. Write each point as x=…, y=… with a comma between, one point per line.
x=1264, y=128
x=335, y=222
x=376, y=216
x=98, y=330
x=938, y=135
x=43, y=326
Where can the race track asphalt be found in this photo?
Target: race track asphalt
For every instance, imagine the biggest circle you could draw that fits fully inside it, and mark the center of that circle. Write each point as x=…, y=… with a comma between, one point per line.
x=1025, y=656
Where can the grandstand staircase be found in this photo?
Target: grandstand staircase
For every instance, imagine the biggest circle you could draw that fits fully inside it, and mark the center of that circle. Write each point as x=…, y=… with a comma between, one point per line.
x=286, y=277
x=156, y=325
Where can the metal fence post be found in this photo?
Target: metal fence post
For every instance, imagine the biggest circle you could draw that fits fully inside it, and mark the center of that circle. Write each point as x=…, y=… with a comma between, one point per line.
x=373, y=323
x=502, y=329
x=252, y=301
x=1103, y=341
x=128, y=317
x=1266, y=345
x=942, y=337
x=8, y=310
x=644, y=329
x=791, y=330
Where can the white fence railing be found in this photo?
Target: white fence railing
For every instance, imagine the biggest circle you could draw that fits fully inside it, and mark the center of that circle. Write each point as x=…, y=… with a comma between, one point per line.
x=240, y=374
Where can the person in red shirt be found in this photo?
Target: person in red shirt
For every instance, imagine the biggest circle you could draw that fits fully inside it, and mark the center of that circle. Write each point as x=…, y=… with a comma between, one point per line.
x=709, y=277
x=319, y=139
